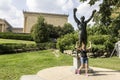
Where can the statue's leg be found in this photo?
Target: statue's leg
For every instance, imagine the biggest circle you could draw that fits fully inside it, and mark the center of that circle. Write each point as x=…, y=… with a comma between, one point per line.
x=84, y=42
x=80, y=40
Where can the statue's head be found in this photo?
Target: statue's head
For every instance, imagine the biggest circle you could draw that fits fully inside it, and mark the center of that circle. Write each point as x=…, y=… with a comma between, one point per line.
x=82, y=18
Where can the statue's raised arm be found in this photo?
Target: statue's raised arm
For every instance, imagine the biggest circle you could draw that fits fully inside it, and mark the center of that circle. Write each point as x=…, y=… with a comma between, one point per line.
x=75, y=18
x=91, y=16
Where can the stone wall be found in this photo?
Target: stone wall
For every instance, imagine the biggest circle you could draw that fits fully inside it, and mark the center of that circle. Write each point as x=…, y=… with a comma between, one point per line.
x=17, y=30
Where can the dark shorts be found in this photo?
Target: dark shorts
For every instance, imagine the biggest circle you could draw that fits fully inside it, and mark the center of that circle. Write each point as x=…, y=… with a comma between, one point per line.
x=84, y=60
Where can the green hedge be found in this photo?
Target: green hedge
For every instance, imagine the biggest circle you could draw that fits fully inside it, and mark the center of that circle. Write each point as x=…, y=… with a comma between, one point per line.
x=67, y=41
x=16, y=47
x=99, y=39
x=17, y=36
x=22, y=47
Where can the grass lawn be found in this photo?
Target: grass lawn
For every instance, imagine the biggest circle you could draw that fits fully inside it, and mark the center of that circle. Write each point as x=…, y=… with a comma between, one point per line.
x=110, y=63
x=15, y=41
x=13, y=66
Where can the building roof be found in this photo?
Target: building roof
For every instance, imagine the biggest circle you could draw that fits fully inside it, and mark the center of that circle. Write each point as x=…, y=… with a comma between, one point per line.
x=26, y=12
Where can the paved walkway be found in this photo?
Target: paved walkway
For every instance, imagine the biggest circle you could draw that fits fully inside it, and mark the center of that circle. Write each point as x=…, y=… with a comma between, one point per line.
x=67, y=73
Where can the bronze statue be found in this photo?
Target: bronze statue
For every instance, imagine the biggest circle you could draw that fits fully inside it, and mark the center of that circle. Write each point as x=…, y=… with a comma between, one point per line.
x=81, y=24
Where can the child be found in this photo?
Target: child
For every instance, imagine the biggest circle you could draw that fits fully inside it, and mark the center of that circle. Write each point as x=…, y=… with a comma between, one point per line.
x=83, y=59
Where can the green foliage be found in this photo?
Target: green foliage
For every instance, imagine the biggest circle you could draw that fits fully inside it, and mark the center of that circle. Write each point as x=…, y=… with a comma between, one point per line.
x=91, y=2
x=115, y=27
x=15, y=41
x=99, y=39
x=42, y=32
x=67, y=41
x=13, y=66
x=55, y=32
x=39, y=31
x=68, y=28
x=98, y=43
x=106, y=7
x=98, y=29
x=99, y=48
x=16, y=47
x=17, y=36
x=59, y=31
x=104, y=40
x=46, y=45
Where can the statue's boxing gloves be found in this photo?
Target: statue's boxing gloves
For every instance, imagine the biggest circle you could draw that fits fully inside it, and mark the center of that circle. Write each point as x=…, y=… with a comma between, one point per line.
x=75, y=9
x=94, y=11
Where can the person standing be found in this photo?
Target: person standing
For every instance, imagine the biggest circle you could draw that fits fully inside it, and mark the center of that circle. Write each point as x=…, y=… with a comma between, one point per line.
x=83, y=59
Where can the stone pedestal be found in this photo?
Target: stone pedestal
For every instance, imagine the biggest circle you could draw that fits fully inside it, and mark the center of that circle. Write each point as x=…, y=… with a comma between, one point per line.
x=117, y=47
x=76, y=62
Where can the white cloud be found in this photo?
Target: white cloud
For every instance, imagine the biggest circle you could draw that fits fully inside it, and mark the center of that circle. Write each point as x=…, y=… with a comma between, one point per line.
x=11, y=13
x=84, y=9
x=68, y=5
x=42, y=5
x=56, y=6
x=11, y=9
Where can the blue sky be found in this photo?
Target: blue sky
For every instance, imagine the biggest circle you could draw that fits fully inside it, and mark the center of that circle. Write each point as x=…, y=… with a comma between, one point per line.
x=12, y=10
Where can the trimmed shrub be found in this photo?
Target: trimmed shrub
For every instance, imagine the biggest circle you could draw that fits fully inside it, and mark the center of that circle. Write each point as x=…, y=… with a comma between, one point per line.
x=15, y=47
x=67, y=41
x=99, y=39
x=102, y=44
x=17, y=36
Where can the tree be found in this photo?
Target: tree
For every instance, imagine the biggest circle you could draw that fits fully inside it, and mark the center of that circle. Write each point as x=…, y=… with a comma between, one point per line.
x=106, y=7
x=67, y=41
x=115, y=27
x=68, y=28
x=39, y=31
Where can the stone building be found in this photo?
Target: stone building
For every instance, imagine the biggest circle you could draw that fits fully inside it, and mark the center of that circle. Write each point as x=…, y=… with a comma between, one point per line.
x=30, y=18
x=5, y=26
x=17, y=30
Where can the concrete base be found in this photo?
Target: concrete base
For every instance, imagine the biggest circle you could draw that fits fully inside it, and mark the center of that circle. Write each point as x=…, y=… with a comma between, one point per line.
x=90, y=70
x=76, y=62
x=31, y=77
x=65, y=73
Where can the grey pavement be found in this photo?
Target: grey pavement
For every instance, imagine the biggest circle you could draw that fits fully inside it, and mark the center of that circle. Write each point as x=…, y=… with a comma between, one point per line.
x=67, y=73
